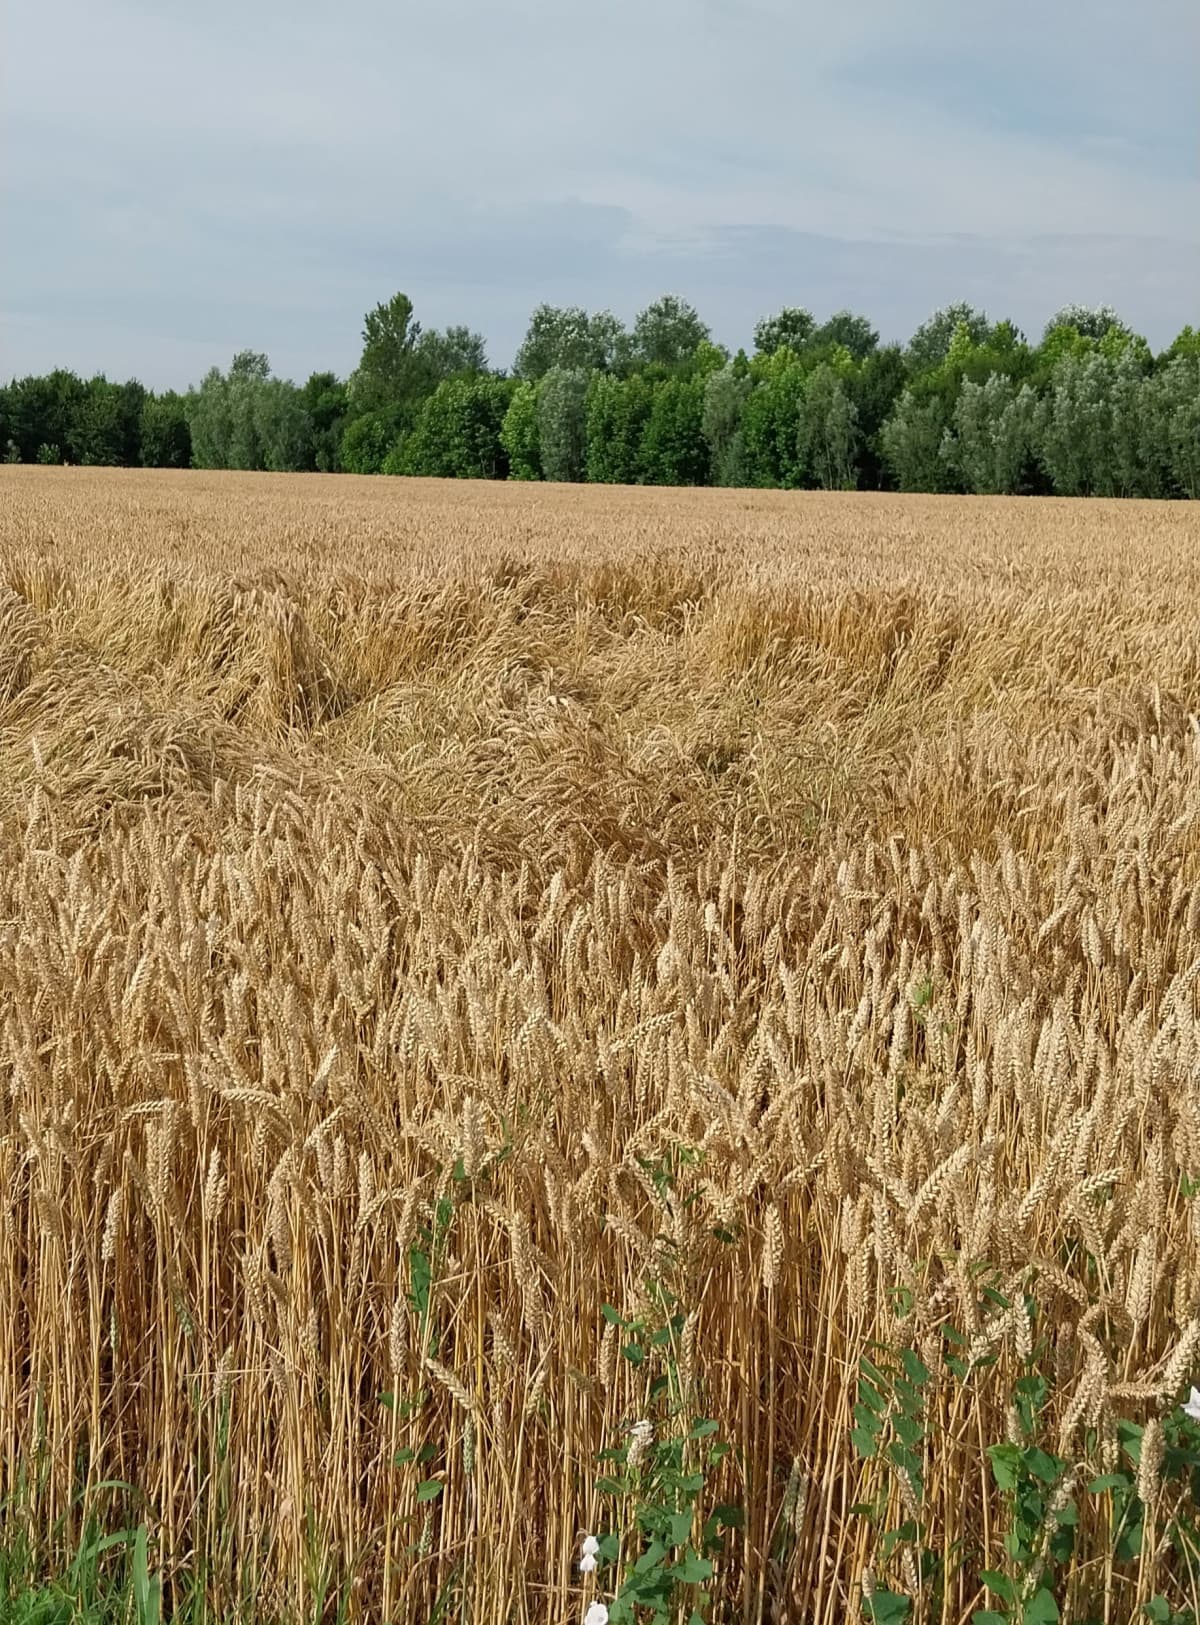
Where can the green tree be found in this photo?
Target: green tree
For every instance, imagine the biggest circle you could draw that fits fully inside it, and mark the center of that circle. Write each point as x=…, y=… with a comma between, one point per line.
x=105, y=424
x=851, y=332
x=282, y=428
x=791, y=328
x=725, y=394
x=1185, y=343
x=911, y=442
x=225, y=415
x=1178, y=391
x=449, y=353
x=366, y=442
x=827, y=431
x=327, y=402
x=993, y=437
x=1063, y=339
x=562, y=423
x=875, y=386
x=673, y=449
x=249, y=373
x=457, y=433
x=568, y=337
x=930, y=344
x=386, y=376
x=210, y=422
x=1089, y=321
x=1090, y=434
x=668, y=333
x=519, y=433
x=165, y=440
x=98, y=432
x=134, y=396
x=41, y=411
x=617, y=411
x=771, y=420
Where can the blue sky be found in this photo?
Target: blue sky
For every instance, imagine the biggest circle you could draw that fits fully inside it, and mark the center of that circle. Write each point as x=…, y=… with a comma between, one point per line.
x=178, y=181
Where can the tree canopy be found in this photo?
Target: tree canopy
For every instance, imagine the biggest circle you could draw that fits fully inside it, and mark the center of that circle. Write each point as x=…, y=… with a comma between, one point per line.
x=966, y=404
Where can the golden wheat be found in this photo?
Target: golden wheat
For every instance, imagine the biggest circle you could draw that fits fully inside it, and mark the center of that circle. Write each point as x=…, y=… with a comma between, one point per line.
x=430, y=914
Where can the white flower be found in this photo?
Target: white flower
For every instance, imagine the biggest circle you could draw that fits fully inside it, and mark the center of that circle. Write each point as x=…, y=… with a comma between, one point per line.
x=597, y=1614
x=587, y=1564
x=591, y=1546
x=1192, y=1408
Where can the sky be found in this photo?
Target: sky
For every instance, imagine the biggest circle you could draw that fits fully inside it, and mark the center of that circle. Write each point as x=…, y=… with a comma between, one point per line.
x=179, y=181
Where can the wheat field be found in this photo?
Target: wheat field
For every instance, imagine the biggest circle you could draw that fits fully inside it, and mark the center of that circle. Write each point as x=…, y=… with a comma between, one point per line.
x=494, y=975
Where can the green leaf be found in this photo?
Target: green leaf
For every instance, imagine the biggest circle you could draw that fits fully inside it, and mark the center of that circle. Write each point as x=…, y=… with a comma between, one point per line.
x=1129, y=1542
x=701, y=1428
x=1109, y=1481
x=895, y=1537
x=693, y=1570
x=869, y=1396
x=1033, y=1388
x=609, y=1486
x=863, y=1443
x=988, y=1616
x=611, y=1315
x=1006, y=1464
x=1158, y=1609
x=425, y=1454
x=867, y=1419
x=909, y=1429
x=887, y=1607
x=147, y=1590
x=679, y=1527
x=430, y=1489
x=419, y=1276
x=903, y=1303
x=909, y=1397
x=650, y=1558
x=1044, y=1467
x=915, y=1368
x=1041, y=1609
x=634, y=1353
x=999, y=1583
x=1130, y=1435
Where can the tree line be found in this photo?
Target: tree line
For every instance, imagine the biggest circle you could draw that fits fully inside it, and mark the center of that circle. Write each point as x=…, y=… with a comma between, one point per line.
x=967, y=405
